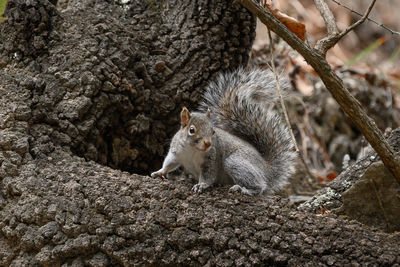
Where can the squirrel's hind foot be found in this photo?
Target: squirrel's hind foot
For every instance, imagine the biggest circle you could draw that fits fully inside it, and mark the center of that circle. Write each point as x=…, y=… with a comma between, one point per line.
x=243, y=190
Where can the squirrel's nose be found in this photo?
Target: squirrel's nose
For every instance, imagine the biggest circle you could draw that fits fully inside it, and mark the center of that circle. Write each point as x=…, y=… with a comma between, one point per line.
x=207, y=143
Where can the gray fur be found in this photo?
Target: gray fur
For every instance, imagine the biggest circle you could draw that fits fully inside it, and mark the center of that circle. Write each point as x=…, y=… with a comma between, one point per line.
x=251, y=147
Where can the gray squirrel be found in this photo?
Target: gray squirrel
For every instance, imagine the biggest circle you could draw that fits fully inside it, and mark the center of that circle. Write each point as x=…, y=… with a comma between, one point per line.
x=235, y=137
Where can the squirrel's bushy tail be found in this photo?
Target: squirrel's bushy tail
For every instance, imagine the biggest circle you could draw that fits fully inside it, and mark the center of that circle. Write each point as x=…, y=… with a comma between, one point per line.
x=241, y=103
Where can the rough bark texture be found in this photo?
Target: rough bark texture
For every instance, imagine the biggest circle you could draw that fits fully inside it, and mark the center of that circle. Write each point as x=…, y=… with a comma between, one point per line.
x=65, y=210
x=352, y=194
x=61, y=209
x=110, y=78
x=374, y=199
x=103, y=80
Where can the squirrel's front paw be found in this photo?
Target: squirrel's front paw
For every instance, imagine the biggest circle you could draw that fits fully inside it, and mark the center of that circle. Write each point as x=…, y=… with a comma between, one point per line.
x=158, y=174
x=198, y=188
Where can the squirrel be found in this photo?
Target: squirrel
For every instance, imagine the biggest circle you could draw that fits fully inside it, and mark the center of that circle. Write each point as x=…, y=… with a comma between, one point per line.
x=235, y=138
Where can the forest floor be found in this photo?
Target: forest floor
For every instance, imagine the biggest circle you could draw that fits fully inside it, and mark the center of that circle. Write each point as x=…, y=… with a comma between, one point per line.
x=367, y=60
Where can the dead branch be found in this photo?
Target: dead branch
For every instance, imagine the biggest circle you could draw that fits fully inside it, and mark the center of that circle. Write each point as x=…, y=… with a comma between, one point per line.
x=335, y=86
x=328, y=42
x=328, y=17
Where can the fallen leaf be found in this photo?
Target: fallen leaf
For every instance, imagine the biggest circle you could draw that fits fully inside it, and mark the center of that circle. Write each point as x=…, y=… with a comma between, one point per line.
x=395, y=73
x=331, y=176
x=320, y=178
x=323, y=211
x=292, y=24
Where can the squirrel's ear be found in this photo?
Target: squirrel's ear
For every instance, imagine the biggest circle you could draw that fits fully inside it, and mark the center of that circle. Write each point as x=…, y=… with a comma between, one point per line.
x=185, y=116
x=208, y=113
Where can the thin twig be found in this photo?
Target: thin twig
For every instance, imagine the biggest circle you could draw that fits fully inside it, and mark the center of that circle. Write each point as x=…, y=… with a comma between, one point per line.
x=372, y=182
x=373, y=21
x=271, y=42
x=326, y=43
x=328, y=17
x=351, y=27
x=280, y=92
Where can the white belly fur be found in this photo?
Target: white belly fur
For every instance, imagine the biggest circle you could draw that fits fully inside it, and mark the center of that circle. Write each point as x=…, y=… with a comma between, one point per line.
x=191, y=159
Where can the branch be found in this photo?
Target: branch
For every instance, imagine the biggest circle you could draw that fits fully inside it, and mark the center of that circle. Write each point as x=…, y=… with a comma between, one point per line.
x=278, y=88
x=335, y=86
x=328, y=42
x=328, y=17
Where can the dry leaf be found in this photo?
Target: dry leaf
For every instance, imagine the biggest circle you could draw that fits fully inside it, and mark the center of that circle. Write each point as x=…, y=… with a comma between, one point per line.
x=394, y=73
x=292, y=24
x=331, y=176
x=320, y=178
x=325, y=179
x=300, y=70
x=323, y=211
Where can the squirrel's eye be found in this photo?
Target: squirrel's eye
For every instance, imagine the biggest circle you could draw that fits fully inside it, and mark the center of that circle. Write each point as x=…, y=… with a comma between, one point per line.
x=192, y=130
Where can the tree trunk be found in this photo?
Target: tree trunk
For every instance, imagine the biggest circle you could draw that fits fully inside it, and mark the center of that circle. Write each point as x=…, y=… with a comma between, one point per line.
x=99, y=83
x=110, y=79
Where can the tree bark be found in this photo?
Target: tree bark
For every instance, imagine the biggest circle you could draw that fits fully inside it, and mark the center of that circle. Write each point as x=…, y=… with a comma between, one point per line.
x=107, y=75
x=100, y=83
